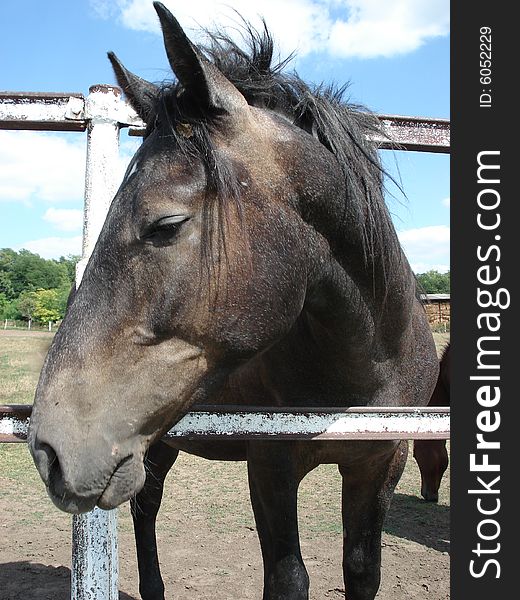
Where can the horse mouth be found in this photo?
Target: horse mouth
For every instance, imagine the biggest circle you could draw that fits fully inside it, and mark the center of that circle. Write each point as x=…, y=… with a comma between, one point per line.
x=126, y=481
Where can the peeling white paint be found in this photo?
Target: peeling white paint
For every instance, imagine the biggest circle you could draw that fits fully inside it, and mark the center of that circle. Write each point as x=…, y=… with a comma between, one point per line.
x=59, y=110
x=100, y=182
x=106, y=113
x=13, y=426
x=41, y=110
x=369, y=424
x=345, y=425
x=104, y=104
x=75, y=108
x=414, y=132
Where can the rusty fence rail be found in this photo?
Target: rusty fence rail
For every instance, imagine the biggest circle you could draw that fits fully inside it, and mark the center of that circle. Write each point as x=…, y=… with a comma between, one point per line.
x=102, y=114
x=72, y=112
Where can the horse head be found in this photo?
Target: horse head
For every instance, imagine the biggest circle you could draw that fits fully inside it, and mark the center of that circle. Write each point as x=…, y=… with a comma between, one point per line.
x=204, y=261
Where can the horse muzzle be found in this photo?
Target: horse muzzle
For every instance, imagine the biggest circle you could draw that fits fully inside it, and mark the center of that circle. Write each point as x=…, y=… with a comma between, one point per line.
x=78, y=481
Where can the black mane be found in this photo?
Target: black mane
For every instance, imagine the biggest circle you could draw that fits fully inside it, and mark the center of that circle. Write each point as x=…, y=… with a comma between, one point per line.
x=321, y=110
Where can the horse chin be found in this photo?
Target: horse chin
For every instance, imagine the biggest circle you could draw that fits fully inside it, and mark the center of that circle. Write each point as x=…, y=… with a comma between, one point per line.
x=72, y=504
x=126, y=481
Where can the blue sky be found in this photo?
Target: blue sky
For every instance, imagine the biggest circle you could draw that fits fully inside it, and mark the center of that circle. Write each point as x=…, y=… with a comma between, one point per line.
x=395, y=54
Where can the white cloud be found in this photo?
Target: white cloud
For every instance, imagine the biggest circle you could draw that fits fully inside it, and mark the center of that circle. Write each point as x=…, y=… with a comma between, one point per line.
x=375, y=28
x=64, y=219
x=344, y=28
x=53, y=247
x=427, y=247
x=446, y=202
x=46, y=166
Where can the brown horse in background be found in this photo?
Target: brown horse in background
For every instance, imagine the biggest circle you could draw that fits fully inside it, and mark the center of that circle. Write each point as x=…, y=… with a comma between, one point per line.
x=431, y=455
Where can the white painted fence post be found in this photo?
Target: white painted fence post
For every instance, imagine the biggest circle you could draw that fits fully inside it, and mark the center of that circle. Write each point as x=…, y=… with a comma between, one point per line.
x=102, y=109
x=95, y=564
x=94, y=535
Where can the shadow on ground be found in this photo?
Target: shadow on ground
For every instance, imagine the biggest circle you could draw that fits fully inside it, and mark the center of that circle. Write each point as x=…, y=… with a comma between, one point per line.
x=26, y=580
x=425, y=523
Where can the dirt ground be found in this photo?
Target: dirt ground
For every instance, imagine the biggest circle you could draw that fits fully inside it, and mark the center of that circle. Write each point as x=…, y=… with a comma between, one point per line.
x=207, y=539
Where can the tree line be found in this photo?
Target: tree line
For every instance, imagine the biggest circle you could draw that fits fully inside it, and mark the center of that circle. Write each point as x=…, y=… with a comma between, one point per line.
x=34, y=288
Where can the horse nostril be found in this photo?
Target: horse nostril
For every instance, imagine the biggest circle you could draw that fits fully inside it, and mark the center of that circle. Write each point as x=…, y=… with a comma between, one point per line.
x=47, y=462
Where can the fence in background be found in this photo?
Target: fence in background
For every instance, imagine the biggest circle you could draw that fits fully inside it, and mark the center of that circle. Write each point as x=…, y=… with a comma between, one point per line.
x=102, y=114
x=30, y=325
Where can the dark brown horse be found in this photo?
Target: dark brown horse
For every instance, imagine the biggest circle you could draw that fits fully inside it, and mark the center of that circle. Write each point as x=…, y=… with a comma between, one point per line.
x=431, y=455
x=247, y=258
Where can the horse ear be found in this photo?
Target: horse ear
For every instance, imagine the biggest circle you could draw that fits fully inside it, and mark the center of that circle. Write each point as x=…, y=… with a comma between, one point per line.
x=140, y=93
x=199, y=78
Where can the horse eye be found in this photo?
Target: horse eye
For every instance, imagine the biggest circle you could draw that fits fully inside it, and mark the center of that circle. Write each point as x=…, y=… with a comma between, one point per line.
x=163, y=230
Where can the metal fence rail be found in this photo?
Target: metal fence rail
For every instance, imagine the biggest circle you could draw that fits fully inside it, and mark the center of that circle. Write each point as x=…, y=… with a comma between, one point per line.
x=297, y=424
x=102, y=114
x=71, y=112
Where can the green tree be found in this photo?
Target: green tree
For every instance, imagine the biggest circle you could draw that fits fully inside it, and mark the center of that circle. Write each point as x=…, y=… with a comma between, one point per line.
x=47, y=306
x=7, y=256
x=8, y=308
x=433, y=282
x=70, y=263
x=26, y=305
x=25, y=276
x=4, y=304
x=63, y=298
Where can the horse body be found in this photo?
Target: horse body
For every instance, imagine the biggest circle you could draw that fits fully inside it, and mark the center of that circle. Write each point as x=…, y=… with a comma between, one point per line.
x=248, y=258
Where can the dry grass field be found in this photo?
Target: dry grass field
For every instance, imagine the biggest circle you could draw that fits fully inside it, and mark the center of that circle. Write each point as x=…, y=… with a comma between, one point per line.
x=21, y=358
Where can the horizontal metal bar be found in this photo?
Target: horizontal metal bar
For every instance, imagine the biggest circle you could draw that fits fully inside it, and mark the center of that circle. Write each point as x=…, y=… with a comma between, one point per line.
x=374, y=423
x=420, y=134
x=390, y=410
x=42, y=111
x=50, y=96
x=66, y=112
x=324, y=425
x=14, y=420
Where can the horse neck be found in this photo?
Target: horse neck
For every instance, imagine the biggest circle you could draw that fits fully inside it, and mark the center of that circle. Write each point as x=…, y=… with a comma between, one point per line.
x=369, y=288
